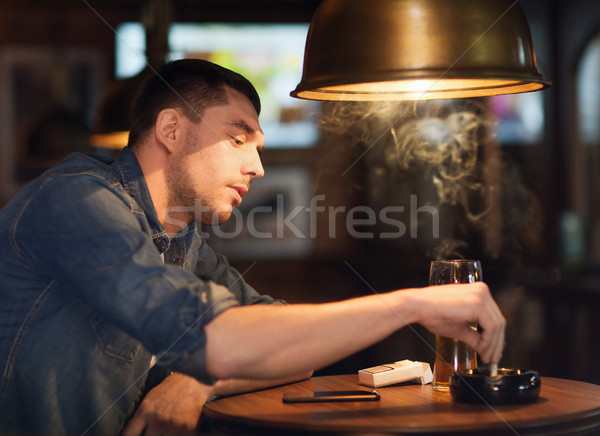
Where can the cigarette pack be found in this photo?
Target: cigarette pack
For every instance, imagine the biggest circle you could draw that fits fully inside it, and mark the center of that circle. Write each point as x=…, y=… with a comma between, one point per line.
x=397, y=372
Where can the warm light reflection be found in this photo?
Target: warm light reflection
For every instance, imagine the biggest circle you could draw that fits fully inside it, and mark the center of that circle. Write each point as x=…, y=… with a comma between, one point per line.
x=421, y=89
x=111, y=140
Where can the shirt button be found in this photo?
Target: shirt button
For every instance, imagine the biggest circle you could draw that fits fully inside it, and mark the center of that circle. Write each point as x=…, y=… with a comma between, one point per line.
x=177, y=261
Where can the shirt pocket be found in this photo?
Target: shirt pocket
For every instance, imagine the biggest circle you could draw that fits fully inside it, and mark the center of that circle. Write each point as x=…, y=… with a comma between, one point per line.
x=113, y=341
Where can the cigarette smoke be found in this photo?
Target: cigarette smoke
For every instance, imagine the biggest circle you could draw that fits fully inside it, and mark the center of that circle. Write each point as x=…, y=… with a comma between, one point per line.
x=447, y=148
x=445, y=152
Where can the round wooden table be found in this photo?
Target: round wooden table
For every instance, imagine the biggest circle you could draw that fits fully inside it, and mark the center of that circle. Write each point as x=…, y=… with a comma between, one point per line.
x=564, y=407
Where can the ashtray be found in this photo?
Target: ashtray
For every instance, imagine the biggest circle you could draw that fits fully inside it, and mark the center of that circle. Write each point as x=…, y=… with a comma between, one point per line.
x=510, y=386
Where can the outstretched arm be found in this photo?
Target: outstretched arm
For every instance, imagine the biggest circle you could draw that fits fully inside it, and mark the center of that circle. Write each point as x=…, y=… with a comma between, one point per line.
x=277, y=341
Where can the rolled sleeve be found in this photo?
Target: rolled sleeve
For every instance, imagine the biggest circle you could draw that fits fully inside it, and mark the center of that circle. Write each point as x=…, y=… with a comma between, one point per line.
x=192, y=360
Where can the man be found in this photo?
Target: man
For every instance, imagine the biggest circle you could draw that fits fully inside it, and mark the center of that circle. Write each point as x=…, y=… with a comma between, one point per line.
x=105, y=276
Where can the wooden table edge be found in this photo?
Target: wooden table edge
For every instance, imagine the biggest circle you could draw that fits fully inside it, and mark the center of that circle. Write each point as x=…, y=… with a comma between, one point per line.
x=587, y=421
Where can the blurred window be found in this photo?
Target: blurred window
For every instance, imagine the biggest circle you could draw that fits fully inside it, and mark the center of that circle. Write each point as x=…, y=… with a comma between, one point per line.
x=587, y=174
x=519, y=118
x=269, y=55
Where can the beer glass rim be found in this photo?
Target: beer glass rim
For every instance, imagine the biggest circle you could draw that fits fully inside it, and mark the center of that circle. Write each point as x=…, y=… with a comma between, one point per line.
x=456, y=261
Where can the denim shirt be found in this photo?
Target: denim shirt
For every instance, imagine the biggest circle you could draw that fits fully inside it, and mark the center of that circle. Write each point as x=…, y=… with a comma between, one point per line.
x=86, y=299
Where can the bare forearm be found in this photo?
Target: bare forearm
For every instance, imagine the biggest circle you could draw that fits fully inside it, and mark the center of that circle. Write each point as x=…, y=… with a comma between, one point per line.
x=267, y=341
x=274, y=342
x=238, y=386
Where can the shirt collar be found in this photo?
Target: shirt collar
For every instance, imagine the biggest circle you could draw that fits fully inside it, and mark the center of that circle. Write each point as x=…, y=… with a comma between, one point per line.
x=132, y=179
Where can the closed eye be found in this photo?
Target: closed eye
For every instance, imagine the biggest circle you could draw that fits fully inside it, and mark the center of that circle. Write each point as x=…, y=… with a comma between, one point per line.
x=237, y=140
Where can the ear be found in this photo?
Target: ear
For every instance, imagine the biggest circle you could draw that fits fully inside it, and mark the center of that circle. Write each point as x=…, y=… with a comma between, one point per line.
x=167, y=129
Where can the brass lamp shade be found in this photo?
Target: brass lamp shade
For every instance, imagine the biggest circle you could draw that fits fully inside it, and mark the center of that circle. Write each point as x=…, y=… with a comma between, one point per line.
x=418, y=49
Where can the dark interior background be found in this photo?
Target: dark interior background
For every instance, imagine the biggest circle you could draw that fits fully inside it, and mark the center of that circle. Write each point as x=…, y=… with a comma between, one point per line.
x=543, y=273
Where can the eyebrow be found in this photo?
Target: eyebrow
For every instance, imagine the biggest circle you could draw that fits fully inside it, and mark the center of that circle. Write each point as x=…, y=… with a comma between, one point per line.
x=241, y=124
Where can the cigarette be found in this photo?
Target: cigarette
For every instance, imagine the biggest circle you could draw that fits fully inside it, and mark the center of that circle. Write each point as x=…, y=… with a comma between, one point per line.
x=493, y=370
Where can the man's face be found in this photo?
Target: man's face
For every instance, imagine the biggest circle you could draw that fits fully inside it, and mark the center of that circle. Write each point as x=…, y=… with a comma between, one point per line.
x=216, y=160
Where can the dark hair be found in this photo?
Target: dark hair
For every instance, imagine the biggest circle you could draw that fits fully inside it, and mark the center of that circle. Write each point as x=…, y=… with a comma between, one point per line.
x=190, y=85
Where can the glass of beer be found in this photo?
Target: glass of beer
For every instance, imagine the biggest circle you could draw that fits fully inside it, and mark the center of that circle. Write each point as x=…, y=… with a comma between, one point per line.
x=451, y=354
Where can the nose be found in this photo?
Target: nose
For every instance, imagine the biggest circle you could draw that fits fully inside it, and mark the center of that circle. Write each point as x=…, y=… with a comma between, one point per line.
x=253, y=166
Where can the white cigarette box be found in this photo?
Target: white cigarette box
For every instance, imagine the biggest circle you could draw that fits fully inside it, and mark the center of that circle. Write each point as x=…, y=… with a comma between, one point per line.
x=397, y=372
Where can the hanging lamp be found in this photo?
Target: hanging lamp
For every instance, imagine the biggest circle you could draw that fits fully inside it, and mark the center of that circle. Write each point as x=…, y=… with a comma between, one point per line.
x=418, y=49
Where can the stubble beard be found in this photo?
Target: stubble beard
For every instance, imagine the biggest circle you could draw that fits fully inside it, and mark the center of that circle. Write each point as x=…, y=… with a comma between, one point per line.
x=184, y=205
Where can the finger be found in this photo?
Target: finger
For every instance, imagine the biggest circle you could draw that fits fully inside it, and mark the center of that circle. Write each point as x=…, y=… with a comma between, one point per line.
x=489, y=341
x=173, y=430
x=498, y=345
x=486, y=346
x=156, y=428
x=492, y=336
x=134, y=427
x=469, y=337
x=490, y=326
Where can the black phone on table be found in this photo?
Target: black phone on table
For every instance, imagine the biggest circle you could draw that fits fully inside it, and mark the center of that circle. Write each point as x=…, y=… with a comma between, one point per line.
x=322, y=396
